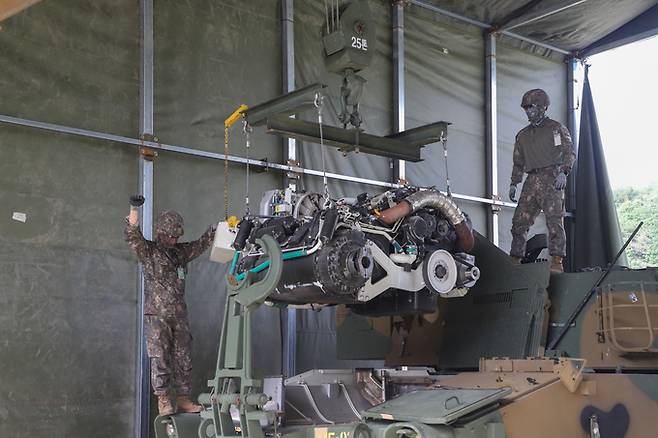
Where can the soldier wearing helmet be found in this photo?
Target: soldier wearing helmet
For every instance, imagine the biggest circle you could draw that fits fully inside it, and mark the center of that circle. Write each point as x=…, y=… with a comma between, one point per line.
x=166, y=329
x=545, y=152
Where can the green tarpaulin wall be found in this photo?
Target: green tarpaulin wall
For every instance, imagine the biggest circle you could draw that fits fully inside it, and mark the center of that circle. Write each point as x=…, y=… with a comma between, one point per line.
x=68, y=283
x=597, y=237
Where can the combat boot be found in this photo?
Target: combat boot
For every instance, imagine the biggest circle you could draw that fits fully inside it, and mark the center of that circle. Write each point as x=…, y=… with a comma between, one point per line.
x=184, y=404
x=164, y=405
x=556, y=264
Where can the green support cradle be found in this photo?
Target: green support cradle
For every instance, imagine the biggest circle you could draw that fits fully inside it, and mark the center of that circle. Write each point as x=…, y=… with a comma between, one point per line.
x=234, y=383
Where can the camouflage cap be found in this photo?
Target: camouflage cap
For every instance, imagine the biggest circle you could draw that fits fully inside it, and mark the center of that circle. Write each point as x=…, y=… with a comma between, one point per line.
x=169, y=223
x=537, y=97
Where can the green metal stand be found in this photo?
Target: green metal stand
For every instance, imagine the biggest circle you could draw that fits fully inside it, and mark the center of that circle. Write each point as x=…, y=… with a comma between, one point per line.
x=234, y=383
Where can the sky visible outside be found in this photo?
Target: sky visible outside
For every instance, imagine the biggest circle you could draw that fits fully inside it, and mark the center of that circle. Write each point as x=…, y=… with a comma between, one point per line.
x=624, y=85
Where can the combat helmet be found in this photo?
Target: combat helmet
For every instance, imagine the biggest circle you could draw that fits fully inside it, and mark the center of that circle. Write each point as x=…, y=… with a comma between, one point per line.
x=537, y=97
x=169, y=223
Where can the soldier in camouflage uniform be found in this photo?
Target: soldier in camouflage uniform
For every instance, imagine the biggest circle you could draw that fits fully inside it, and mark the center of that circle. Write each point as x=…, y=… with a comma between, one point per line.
x=168, y=338
x=544, y=151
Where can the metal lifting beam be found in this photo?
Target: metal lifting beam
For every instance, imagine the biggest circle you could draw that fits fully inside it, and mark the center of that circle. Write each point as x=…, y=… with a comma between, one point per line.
x=402, y=146
x=286, y=105
x=422, y=135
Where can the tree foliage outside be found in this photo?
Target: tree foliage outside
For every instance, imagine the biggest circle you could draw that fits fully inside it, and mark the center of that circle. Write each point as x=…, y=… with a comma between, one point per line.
x=635, y=205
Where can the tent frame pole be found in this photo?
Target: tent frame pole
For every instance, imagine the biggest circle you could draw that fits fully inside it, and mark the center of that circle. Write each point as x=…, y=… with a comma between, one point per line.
x=290, y=155
x=573, y=66
x=491, y=136
x=397, y=14
x=146, y=86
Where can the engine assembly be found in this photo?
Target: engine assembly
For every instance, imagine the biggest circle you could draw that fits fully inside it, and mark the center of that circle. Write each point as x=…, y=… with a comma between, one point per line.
x=408, y=240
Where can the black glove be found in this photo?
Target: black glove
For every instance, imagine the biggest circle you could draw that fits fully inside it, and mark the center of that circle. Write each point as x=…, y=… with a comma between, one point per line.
x=136, y=200
x=512, y=192
x=561, y=181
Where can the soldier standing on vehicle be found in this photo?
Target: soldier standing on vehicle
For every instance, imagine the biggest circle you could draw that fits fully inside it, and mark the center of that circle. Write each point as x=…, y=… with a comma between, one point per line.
x=544, y=151
x=167, y=332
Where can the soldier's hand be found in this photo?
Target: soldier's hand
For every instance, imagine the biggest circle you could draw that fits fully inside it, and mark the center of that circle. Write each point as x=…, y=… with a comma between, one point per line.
x=136, y=200
x=561, y=181
x=512, y=192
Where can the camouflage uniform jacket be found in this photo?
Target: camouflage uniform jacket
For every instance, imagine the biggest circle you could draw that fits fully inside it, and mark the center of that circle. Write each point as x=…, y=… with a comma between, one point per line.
x=536, y=147
x=165, y=269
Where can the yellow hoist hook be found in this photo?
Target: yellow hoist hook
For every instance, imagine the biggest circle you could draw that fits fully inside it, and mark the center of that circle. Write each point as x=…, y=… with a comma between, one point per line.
x=230, y=121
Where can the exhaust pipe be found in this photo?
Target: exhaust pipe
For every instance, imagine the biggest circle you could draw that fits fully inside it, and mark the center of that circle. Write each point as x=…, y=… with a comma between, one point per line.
x=433, y=199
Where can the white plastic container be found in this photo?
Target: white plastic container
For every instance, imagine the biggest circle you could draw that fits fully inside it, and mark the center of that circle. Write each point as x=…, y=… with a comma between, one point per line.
x=222, y=251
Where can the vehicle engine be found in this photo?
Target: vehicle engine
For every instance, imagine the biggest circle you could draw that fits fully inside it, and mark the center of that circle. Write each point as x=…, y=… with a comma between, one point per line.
x=407, y=246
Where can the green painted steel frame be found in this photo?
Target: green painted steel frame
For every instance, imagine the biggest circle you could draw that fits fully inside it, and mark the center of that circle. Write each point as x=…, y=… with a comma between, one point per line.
x=235, y=350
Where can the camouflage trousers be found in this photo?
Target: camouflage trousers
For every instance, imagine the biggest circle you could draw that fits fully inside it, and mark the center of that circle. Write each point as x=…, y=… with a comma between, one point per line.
x=539, y=194
x=168, y=343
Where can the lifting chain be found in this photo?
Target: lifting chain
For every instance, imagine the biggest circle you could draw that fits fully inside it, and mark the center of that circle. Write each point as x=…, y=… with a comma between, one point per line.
x=234, y=117
x=226, y=171
x=247, y=130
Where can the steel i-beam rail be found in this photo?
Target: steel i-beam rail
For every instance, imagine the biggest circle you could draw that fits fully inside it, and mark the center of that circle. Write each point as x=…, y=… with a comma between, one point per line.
x=405, y=145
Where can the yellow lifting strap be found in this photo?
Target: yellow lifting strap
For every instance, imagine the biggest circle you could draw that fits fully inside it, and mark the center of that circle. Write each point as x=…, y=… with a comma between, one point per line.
x=230, y=121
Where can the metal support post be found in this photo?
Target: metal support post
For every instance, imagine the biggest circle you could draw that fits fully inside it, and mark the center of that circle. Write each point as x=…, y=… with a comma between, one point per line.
x=142, y=387
x=573, y=117
x=491, y=136
x=288, y=48
x=290, y=155
x=574, y=90
x=397, y=12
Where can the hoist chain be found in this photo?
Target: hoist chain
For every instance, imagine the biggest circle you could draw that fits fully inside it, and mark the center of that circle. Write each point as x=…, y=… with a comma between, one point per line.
x=247, y=130
x=234, y=117
x=226, y=172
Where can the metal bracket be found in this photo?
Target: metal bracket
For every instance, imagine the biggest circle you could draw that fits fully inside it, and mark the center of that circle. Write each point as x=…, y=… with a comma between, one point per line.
x=249, y=294
x=148, y=153
x=295, y=172
x=149, y=137
x=570, y=372
x=262, y=169
x=496, y=205
x=412, y=281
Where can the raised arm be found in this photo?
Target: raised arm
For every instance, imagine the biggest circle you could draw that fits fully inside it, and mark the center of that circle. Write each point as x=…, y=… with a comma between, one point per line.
x=132, y=233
